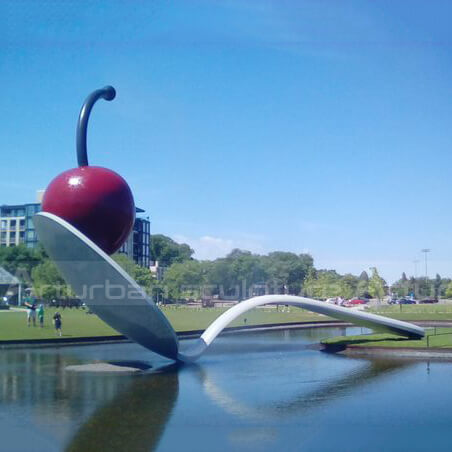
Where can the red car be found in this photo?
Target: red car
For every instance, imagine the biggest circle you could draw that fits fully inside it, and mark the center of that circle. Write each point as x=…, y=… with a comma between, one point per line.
x=354, y=301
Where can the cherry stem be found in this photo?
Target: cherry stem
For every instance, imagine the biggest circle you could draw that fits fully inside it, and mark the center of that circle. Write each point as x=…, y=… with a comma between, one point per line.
x=107, y=93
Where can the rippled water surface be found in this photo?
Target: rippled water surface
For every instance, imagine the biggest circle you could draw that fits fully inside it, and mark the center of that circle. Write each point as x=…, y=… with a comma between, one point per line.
x=250, y=392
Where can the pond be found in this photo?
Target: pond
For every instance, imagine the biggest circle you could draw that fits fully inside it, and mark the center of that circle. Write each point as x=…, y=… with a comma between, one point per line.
x=257, y=391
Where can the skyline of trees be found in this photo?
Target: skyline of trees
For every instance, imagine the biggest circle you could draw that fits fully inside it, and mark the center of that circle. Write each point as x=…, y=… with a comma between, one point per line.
x=238, y=275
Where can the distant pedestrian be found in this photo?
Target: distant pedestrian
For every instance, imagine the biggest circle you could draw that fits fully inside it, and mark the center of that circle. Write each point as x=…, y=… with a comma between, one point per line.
x=31, y=311
x=41, y=315
x=57, y=322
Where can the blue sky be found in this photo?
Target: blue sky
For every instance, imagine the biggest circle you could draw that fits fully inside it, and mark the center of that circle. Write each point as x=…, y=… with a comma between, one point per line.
x=310, y=126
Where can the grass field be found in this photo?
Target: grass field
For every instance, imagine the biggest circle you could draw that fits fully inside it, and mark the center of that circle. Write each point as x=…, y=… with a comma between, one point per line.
x=435, y=338
x=415, y=311
x=76, y=323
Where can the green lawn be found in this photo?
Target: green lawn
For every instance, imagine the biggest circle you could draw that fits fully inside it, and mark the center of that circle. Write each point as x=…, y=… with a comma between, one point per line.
x=415, y=311
x=435, y=337
x=76, y=323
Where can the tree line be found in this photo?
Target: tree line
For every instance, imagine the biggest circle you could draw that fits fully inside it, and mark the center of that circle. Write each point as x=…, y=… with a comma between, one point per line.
x=239, y=275
x=34, y=268
x=242, y=274
x=423, y=287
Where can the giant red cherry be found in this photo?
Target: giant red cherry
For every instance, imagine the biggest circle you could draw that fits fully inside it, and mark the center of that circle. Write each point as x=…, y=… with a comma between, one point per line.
x=95, y=200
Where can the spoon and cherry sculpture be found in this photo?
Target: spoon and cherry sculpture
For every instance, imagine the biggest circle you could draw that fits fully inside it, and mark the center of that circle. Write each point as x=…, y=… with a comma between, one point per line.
x=97, y=201
x=87, y=214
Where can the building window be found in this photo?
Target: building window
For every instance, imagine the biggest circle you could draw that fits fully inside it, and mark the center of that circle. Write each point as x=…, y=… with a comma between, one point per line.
x=22, y=224
x=12, y=235
x=32, y=209
x=12, y=224
x=3, y=224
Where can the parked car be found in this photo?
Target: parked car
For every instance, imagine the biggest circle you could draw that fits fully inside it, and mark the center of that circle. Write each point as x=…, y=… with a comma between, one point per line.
x=406, y=301
x=355, y=301
x=429, y=300
x=332, y=300
x=335, y=300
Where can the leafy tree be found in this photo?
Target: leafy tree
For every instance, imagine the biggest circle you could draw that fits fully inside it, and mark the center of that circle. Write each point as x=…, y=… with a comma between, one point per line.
x=424, y=287
x=48, y=283
x=221, y=276
x=236, y=275
x=421, y=287
x=312, y=286
x=413, y=286
x=166, y=251
x=287, y=271
x=20, y=260
x=237, y=253
x=125, y=262
x=362, y=288
x=309, y=284
x=449, y=290
x=376, y=285
x=401, y=287
x=437, y=286
x=144, y=278
x=348, y=286
x=141, y=275
x=185, y=280
x=444, y=284
x=247, y=270
x=323, y=284
x=364, y=276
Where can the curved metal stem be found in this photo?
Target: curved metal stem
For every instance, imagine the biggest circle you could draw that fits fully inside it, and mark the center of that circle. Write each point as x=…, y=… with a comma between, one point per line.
x=107, y=93
x=366, y=319
x=138, y=317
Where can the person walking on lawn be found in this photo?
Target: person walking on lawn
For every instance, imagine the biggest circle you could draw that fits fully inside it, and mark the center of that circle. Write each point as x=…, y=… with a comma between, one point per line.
x=31, y=311
x=57, y=322
x=41, y=315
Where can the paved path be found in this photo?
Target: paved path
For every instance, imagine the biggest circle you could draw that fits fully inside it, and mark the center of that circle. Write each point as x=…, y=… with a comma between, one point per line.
x=13, y=310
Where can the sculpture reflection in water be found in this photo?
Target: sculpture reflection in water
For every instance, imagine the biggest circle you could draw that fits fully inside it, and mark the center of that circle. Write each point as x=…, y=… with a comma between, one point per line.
x=132, y=412
x=136, y=419
x=325, y=393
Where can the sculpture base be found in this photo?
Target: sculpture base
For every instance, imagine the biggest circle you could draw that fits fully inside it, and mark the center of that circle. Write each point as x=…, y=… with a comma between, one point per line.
x=126, y=367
